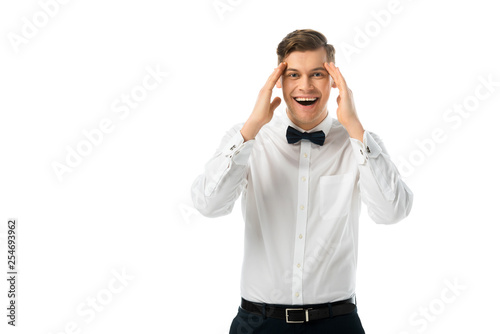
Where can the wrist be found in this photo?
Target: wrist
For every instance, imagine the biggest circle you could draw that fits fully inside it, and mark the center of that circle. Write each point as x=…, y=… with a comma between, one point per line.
x=250, y=129
x=355, y=130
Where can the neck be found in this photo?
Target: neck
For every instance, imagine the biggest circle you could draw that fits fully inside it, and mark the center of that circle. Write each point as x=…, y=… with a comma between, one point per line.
x=306, y=126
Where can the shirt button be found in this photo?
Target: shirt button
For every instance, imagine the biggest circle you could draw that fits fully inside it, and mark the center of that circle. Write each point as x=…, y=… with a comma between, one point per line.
x=360, y=151
x=298, y=265
x=301, y=207
x=305, y=155
x=297, y=294
x=300, y=236
x=368, y=149
x=303, y=178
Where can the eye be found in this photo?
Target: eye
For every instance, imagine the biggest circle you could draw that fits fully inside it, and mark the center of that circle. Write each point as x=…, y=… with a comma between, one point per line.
x=318, y=74
x=293, y=75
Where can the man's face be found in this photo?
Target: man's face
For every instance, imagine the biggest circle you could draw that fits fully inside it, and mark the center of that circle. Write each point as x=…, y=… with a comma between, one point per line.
x=306, y=87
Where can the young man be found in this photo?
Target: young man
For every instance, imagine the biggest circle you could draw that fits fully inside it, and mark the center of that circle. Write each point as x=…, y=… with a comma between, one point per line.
x=302, y=177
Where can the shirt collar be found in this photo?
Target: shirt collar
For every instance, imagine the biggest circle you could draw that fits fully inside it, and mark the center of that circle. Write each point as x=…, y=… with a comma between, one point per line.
x=324, y=126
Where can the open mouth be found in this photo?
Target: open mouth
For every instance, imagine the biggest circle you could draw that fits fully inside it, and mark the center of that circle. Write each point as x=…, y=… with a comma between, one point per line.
x=306, y=101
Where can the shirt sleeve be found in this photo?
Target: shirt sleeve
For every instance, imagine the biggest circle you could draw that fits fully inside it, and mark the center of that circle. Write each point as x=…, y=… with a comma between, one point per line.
x=387, y=197
x=216, y=190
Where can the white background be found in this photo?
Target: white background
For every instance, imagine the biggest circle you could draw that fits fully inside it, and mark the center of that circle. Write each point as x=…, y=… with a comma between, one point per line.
x=127, y=207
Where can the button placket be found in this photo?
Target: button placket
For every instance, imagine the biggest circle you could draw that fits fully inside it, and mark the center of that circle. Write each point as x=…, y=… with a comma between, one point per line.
x=301, y=223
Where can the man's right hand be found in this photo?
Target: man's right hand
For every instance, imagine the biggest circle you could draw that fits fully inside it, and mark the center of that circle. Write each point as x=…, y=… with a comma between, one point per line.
x=264, y=109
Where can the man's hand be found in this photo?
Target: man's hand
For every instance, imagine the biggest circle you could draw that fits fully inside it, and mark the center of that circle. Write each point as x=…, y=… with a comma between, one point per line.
x=346, y=111
x=264, y=109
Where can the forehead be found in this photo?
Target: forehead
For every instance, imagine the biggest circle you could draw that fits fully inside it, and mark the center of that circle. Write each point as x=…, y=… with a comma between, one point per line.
x=306, y=60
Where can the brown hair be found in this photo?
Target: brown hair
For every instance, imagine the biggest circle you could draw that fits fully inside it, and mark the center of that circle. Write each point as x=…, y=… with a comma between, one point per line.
x=304, y=40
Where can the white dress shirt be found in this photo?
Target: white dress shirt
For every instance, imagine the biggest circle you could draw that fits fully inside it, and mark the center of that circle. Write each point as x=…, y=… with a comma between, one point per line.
x=301, y=204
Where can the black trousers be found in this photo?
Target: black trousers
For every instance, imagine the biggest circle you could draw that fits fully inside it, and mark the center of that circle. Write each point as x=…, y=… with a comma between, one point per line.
x=249, y=323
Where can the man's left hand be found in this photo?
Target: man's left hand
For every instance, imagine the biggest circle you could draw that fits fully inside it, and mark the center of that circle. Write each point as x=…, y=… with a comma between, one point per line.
x=346, y=111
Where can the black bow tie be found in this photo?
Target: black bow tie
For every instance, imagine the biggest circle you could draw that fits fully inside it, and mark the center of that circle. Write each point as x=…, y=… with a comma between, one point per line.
x=293, y=135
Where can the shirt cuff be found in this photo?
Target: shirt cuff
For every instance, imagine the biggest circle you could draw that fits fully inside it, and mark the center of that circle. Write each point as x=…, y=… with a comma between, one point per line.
x=238, y=150
x=368, y=149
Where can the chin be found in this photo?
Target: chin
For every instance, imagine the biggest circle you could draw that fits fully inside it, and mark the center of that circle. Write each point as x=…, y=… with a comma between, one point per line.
x=306, y=118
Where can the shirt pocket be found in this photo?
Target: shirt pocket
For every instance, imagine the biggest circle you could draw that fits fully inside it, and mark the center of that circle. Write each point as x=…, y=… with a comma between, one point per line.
x=335, y=193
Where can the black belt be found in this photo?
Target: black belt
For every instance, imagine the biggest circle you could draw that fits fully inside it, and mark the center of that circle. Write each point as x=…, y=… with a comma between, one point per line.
x=301, y=313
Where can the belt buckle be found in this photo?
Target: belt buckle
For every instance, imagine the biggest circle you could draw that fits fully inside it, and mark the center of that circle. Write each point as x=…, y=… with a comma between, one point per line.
x=297, y=309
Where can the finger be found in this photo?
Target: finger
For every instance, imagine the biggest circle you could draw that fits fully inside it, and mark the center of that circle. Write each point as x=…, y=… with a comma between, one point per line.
x=273, y=78
x=341, y=83
x=330, y=68
x=276, y=102
x=337, y=77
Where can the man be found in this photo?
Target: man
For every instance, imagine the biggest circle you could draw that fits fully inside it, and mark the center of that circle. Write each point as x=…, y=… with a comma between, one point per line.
x=302, y=177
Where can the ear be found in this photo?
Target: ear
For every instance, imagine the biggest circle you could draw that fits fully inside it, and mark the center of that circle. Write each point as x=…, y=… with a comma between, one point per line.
x=278, y=83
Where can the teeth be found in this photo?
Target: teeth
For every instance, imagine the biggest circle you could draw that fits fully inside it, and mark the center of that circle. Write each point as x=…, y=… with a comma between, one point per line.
x=306, y=99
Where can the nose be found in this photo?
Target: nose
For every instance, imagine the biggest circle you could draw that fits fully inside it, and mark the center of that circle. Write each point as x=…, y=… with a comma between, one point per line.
x=305, y=83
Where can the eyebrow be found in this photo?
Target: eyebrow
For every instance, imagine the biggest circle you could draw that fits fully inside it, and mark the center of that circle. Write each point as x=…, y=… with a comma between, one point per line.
x=314, y=69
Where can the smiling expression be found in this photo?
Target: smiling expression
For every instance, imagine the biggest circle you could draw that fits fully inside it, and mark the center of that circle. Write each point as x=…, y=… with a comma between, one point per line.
x=306, y=87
